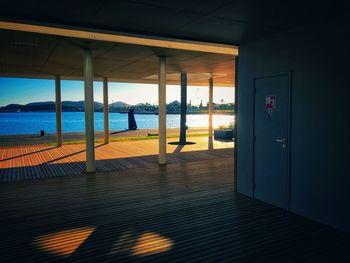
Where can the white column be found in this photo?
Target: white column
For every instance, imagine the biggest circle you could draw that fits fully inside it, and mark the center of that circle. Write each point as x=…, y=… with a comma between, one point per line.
x=162, y=109
x=58, y=106
x=210, y=107
x=105, y=110
x=89, y=112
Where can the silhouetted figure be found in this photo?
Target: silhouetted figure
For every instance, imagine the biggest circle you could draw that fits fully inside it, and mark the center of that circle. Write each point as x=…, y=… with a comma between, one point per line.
x=131, y=119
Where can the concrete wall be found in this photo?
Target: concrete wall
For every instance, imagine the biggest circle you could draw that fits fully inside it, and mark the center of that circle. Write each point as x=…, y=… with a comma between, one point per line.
x=319, y=57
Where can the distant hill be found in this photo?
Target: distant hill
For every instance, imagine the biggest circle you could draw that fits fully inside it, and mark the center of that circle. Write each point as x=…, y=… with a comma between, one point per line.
x=173, y=107
x=79, y=106
x=119, y=105
x=175, y=103
x=49, y=106
x=12, y=108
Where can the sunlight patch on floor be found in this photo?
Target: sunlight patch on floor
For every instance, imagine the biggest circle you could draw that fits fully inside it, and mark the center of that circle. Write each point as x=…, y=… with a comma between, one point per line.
x=63, y=243
x=146, y=244
x=151, y=243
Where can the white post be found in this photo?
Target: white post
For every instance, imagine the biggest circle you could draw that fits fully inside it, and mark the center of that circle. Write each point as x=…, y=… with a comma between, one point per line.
x=105, y=110
x=89, y=112
x=162, y=109
x=210, y=111
x=58, y=106
x=210, y=107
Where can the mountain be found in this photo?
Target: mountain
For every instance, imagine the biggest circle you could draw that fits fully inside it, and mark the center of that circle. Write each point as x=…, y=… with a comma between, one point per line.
x=174, y=103
x=12, y=108
x=119, y=105
x=79, y=106
x=173, y=107
x=49, y=106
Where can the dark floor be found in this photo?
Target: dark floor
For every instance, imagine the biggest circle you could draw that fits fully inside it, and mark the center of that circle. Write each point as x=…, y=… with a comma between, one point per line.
x=179, y=213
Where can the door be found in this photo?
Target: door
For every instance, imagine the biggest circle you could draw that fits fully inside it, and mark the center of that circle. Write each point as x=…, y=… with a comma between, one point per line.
x=271, y=139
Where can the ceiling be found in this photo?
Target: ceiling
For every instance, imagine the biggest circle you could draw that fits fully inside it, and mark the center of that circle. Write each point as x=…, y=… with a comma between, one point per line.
x=24, y=54
x=220, y=21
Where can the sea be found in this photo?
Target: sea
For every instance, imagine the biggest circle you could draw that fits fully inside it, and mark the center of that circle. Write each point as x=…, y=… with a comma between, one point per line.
x=33, y=122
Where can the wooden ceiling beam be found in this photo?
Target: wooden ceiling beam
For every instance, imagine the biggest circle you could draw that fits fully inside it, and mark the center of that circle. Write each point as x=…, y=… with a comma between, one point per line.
x=123, y=38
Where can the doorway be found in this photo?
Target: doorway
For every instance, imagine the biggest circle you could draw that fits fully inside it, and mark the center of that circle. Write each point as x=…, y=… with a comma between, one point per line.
x=272, y=139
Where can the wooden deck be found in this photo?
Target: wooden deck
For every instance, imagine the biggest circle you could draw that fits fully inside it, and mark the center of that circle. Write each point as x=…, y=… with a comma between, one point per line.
x=34, y=162
x=34, y=139
x=184, y=212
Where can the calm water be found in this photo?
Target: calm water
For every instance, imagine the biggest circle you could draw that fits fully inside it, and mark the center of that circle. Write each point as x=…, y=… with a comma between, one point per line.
x=33, y=122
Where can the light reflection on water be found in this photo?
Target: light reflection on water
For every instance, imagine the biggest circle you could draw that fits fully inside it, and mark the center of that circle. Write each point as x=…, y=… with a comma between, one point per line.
x=33, y=122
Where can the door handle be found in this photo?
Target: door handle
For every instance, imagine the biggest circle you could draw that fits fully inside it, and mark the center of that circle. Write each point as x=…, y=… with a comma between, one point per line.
x=281, y=140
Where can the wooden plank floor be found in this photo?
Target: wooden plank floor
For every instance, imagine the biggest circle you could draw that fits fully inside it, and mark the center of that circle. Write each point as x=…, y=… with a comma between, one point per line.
x=40, y=161
x=184, y=212
x=34, y=139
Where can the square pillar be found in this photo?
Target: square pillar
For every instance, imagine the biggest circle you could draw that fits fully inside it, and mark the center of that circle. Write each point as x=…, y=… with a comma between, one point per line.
x=162, y=109
x=89, y=111
x=58, y=106
x=105, y=110
x=210, y=107
x=183, y=110
x=235, y=127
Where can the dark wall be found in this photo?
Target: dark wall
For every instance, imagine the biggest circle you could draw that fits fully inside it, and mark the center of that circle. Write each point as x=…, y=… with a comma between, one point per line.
x=318, y=55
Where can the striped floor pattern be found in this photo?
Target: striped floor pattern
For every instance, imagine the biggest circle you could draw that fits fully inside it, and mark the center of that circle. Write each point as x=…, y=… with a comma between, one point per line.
x=184, y=212
x=34, y=162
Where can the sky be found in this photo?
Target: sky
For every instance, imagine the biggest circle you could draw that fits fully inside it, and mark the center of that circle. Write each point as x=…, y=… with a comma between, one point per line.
x=23, y=91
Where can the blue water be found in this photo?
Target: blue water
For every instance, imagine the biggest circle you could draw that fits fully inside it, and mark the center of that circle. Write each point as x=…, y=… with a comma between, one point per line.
x=33, y=122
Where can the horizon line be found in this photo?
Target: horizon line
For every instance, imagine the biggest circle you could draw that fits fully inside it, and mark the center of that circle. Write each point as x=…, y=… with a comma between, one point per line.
x=153, y=104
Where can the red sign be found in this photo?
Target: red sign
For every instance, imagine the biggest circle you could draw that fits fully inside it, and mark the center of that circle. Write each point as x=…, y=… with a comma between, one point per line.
x=270, y=104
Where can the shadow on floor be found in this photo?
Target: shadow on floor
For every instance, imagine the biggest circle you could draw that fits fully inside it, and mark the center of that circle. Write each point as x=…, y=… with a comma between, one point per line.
x=27, y=154
x=53, y=169
x=122, y=131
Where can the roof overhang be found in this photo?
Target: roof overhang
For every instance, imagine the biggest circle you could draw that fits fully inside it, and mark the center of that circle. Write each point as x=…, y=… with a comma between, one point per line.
x=41, y=51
